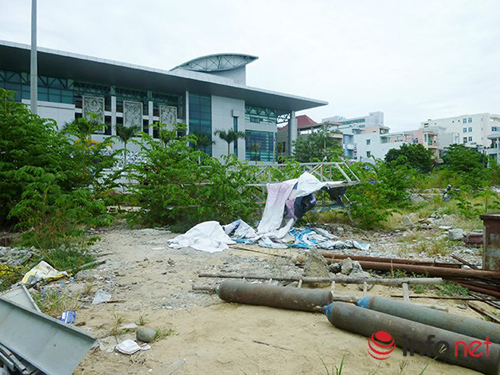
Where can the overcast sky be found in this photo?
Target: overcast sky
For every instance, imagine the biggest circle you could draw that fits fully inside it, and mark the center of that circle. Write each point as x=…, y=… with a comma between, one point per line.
x=413, y=60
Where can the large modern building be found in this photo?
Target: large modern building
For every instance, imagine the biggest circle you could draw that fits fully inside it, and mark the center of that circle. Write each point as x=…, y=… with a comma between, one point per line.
x=470, y=130
x=208, y=94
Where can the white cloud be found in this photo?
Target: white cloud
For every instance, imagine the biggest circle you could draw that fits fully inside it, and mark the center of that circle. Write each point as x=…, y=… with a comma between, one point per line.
x=411, y=59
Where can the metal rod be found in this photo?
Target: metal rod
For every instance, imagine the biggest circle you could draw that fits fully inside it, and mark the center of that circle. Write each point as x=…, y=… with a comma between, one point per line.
x=447, y=298
x=483, y=312
x=429, y=270
x=463, y=261
x=341, y=280
x=34, y=64
x=391, y=260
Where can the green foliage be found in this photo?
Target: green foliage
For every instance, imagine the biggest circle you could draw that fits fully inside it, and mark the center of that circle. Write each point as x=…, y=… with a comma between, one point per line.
x=52, y=183
x=126, y=133
x=9, y=275
x=414, y=155
x=54, y=217
x=381, y=192
x=466, y=164
x=471, y=205
x=317, y=147
x=179, y=185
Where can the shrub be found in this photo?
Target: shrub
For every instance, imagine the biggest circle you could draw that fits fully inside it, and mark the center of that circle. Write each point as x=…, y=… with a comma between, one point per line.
x=179, y=185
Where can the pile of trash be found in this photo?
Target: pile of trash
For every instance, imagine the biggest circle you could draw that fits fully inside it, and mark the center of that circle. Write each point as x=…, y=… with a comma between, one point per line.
x=286, y=202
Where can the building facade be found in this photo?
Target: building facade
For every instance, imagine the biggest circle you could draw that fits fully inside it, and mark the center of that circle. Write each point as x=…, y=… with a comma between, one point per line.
x=469, y=130
x=207, y=94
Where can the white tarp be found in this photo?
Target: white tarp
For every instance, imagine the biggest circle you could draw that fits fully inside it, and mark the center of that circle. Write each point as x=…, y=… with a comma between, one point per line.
x=277, y=195
x=208, y=236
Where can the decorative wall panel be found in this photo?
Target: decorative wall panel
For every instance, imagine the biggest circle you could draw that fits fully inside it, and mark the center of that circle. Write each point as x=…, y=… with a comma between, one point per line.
x=132, y=113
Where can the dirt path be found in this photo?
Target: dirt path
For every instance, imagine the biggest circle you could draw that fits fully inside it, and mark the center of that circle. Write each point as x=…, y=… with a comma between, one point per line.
x=213, y=337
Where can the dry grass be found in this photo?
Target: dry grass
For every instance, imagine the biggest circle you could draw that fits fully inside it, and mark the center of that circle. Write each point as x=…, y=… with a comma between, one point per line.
x=54, y=302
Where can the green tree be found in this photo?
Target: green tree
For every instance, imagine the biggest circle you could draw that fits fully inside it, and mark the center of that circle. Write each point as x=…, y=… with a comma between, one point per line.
x=465, y=166
x=230, y=136
x=414, y=155
x=126, y=133
x=255, y=151
x=178, y=185
x=316, y=147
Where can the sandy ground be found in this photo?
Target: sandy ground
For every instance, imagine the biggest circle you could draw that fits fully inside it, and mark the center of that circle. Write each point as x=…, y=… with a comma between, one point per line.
x=154, y=282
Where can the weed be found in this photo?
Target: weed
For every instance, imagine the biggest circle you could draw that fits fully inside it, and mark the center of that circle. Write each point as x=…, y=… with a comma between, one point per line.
x=87, y=289
x=9, y=275
x=115, y=328
x=335, y=370
x=447, y=288
x=162, y=333
x=53, y=302
x=142, y=320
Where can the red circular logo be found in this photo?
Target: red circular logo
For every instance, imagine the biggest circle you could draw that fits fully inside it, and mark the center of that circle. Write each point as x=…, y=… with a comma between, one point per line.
x=381, y=345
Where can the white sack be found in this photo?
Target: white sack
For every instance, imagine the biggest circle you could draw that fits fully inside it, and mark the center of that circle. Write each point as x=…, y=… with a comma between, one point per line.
x=208, y=236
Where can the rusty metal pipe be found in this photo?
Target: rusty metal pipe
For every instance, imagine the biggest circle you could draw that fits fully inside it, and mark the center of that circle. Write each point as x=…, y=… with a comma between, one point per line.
x=274, y=296
x=478, y=289
x=429, y=270
x=391, y=260
x=415, y=337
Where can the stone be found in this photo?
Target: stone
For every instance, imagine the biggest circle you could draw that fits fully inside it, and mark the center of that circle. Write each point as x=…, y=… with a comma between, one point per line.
x=335, y=267
x=407, y=222
x=416, y=198
x=316, y=266
x=146, y=334
x=456, y=234
x=346, y=266
x=340, y=230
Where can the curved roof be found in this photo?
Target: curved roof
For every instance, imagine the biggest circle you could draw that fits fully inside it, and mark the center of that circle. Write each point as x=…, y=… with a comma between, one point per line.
x=218, y=62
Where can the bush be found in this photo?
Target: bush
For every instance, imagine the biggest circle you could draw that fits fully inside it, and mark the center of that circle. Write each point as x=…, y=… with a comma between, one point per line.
x=414, y=155
x=51, y=183
x=382, y=191
x=179, y=185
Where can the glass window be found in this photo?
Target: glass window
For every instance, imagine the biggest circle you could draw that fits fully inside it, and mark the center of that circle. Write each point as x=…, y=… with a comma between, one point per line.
x=470, y=119
x=470, y=139
x=465, y=130
x=368, y=141
x=260, y=146
x=464, y=120
x=465, y=139
x=368, y=154
x=200, y=120
x=470, y=130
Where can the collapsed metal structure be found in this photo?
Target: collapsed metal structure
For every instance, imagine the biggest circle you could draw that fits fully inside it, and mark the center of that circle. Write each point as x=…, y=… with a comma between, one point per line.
x=338, y=175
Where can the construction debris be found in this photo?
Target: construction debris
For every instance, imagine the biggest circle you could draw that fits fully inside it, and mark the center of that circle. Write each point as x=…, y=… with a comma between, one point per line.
x=340, y=280
x=42, y=271
x=48, y=344
x=130, y=347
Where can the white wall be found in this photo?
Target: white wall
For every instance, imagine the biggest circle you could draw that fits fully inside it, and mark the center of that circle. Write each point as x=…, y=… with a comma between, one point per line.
x=476, y=131
x=223, y=110
x=61, y=113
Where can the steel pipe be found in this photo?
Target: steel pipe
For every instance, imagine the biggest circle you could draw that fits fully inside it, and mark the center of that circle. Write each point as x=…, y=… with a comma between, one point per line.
x=415, y=337
x=430, y=270
x=391, y=260
x=455, y=323
x=274, y=296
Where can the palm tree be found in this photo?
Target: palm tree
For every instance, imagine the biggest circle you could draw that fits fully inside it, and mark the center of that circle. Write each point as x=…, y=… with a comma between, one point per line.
x=126, y=133
x=230, y=136
x=255, y=147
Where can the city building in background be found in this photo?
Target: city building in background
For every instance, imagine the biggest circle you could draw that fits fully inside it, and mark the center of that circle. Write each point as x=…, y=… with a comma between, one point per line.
x=208, y=94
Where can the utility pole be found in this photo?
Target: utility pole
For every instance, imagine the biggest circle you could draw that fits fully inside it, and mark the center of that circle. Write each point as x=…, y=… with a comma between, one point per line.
x=34, y=69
